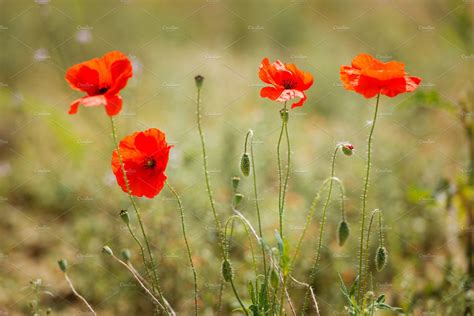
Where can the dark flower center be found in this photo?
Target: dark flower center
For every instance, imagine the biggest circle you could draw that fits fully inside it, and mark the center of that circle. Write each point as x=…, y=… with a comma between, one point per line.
x=289, y=83
x=103, y=90
x=150, y=163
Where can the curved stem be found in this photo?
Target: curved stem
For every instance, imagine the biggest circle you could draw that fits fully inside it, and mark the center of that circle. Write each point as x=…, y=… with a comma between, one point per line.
x=259, y=219
x=237, y=296
x=226, y=254
x=361, y=285
x=142, y=251
x=321, y=229
x=69, y=282
x=188, y=249
x=138, y=280
x=137, y=211
x=310, y=215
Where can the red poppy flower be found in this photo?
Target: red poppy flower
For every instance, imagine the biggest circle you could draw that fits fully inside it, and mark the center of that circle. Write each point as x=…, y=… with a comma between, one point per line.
x=145, y=157
x=288, y=82
x=369, y=77
x=102, y=79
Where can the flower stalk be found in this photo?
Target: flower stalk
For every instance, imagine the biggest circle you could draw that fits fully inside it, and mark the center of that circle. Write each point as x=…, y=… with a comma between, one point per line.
x=362, y=272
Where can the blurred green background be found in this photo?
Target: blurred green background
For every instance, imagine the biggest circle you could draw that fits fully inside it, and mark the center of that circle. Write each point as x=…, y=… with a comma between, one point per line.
x=59, y=198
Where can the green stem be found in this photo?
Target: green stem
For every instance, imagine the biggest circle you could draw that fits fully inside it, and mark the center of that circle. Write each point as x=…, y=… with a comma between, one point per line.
x=206, y=174
x=262, y=245
x=137, y=211
x=321, y=229
x=282, y=188
x=142, y=251
x=367, y=242
x=188, y=249
x=364, y=204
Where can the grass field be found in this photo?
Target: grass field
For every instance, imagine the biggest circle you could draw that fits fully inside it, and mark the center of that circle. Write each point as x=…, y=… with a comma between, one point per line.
x=59, y=197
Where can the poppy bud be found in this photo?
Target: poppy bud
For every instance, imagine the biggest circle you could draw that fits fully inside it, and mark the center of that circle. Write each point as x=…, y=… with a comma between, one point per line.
x=343, y=232
x=199, y=80
x=347, y=149
x=237, y=199
x=380, y=258
x=227, y=272
x=125, y=217
x=245, y=164
x=284, y=115
x=126, y=254
x=62, y=265
x=235, y=182
x=107, y=250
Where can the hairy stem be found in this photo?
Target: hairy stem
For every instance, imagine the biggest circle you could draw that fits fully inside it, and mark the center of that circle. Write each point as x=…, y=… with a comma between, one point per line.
x=259, y=219
x=321, y=229
x=361, y=286
x=188, y=249
x=69, y=282
x=206, y=174
x=281, y=186
x=137, y=212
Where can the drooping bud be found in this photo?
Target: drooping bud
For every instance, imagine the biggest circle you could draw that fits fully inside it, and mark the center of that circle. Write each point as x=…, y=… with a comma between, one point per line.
x=199, y=80
x=235, y=183
x=62, y=265
x=107, y=250
x=284, y=115
x=125, y=217
x=342, y=232
x=245, y=164
x=381, y=258
x=238, y=197
x=126, y=255
x=347, y=149
x=227, y=272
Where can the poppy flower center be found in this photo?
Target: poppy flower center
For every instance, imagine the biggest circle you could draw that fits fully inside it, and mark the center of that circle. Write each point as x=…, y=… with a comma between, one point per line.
x=150, y=163
x=289, y=83
x=103, y=90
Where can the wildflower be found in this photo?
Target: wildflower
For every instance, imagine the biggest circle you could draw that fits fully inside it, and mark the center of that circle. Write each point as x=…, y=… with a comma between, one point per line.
x=369, y=77
x=288, y=82
x=102, y=79
x=145, y=157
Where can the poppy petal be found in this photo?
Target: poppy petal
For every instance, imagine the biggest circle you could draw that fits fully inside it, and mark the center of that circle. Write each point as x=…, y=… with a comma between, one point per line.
x=83, y=78
x=113, y=104
x=271, y=93
x=146, y=144
x=300, y=103
x=290, y=94
x=119, y=68
x=74, y=106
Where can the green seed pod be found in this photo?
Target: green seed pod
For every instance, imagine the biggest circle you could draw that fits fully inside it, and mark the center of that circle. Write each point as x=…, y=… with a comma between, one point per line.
x=62, y=265
x=126, y=255
x=199, y=80
x=342, y=232
x=381, y=258
x=125, y=217
x=227, y=272
x=284, y=115
x=347, y=149
x=274, y=280
x=238, y=197
x=235, y=183
x=245, y=164
x=107, y=250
